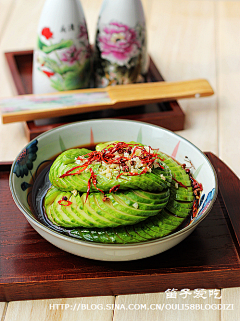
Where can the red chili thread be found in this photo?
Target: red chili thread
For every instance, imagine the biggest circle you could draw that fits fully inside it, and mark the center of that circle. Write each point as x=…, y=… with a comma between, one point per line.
x=181, y=184
x=197, y=188
x=64, y=201
x=114, y=188
x=93, y=178
x=108, y=156
x=68, y=173
x=195, y=208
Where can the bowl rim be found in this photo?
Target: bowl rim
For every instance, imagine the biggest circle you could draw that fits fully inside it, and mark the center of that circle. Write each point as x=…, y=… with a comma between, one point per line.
x=146, y=243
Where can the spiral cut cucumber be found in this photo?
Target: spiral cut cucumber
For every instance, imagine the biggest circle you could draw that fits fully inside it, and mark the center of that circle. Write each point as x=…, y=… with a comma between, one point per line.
x=147, y=194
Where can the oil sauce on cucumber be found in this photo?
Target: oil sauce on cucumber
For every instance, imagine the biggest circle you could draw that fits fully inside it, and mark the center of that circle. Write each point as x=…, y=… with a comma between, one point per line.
x=40, y=186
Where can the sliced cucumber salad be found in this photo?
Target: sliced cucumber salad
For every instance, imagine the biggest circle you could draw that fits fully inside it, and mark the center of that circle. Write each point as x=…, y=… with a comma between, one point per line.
x=119, y=193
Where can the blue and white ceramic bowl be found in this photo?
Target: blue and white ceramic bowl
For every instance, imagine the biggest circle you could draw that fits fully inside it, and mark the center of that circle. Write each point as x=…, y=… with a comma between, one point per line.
x=40, y=151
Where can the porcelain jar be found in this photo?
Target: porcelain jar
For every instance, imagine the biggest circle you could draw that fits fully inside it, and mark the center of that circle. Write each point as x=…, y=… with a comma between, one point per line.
x=120, y=52
x=62, y=55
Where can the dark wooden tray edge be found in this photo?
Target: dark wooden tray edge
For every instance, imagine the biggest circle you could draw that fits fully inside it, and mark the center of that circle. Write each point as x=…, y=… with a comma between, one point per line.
x=173, y=120
x=229, y=192
x=120, y=285
x=14, y=69
x=223, y=278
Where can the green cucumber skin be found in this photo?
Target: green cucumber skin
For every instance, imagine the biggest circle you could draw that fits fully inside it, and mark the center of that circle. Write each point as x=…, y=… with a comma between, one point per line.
x=131, y=198
x=182, y=191
x=103, y=237
x=66, y=161
x=153, y=197
x=95, y=206
x=84, y=234
x=179, y=205
x=112, y=220
x=176, y=202
x=107, y=206
x=115, y=238
x=94, y=212
x=122, y=232
x=158, y=226
x=101, y=220
x=157, y=230
x=134, y=236
x=178, y=212
x=69, y=216
x=130, y=210
x=180, y=197
x=142, y=232
x=137, y=196
x=171, y=219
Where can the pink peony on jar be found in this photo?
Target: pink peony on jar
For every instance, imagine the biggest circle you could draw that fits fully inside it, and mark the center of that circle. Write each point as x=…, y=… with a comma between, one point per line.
x=120, y=55
x=118, y=43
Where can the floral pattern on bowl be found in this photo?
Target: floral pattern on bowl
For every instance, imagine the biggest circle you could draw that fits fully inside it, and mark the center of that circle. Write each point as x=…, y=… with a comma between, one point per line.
x=25, y=160
x=42, y=150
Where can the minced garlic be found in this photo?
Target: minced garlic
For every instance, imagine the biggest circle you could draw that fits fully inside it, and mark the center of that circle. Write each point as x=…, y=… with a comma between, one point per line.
x=135, y=205
x=126, y=160
x=74, y=192
x=163, y=177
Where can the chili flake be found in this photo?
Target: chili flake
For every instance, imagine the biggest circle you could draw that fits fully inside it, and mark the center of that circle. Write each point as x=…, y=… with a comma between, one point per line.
x=64, y=201
x=119, y=157
x=114, y=188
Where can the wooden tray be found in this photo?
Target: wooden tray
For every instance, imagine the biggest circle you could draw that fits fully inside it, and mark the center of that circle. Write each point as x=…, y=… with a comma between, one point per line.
x=168, y=114
x=32, y=268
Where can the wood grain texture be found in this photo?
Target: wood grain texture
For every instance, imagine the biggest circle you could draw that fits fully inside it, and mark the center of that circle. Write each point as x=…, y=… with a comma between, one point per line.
x=231, y=300
x=159, y=307
x=229, y=186
x=24, y=25
x=19, y=32
x=182, y=43
x=165, y=114
x=29, y=263
x=91, y=309
x=6, y=7
x=3, y=309
x=20, y=67
x=228, y=49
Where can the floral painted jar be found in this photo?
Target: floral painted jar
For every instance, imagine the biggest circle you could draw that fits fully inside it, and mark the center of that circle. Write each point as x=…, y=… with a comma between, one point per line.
x=120, y=53
x=62, y=57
